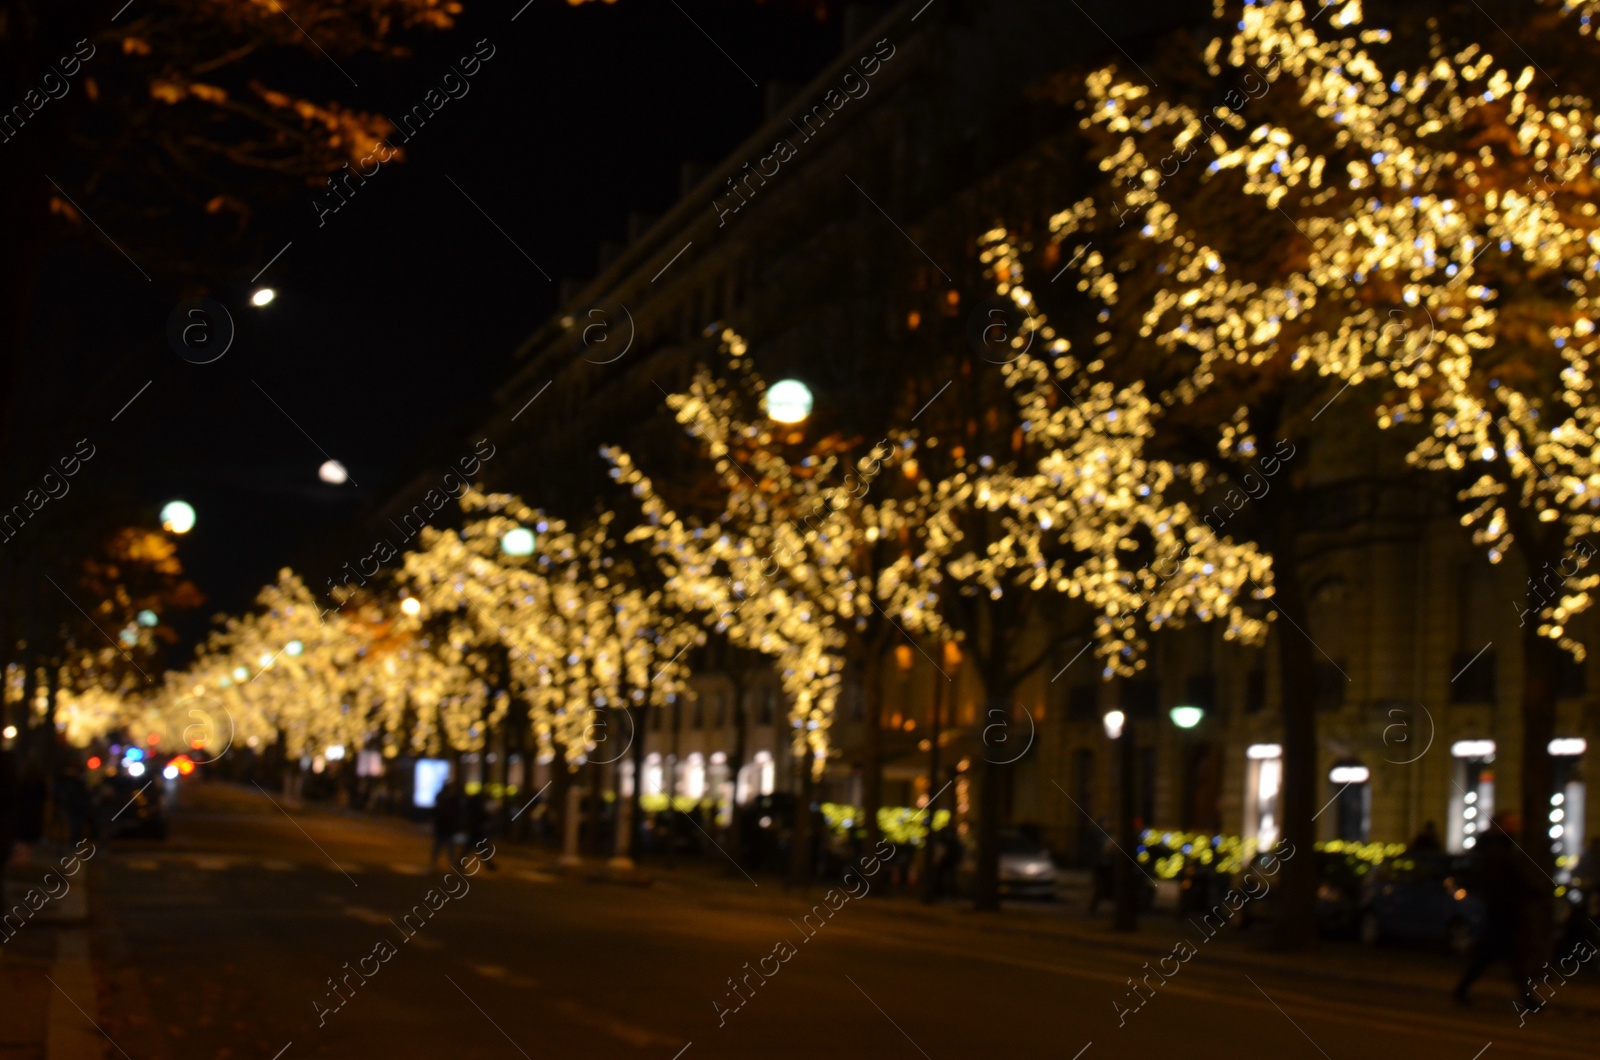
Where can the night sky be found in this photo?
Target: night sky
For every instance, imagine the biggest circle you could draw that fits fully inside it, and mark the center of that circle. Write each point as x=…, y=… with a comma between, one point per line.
x=397, y=317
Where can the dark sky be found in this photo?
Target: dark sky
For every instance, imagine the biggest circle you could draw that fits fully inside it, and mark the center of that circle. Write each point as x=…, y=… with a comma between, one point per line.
x=396, y=318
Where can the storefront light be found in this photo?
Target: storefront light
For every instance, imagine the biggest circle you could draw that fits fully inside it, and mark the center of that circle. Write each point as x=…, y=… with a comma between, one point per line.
x=1472, y=748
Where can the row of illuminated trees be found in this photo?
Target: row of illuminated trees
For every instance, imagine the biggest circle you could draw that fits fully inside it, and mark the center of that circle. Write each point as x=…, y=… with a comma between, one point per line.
x=1372, y=251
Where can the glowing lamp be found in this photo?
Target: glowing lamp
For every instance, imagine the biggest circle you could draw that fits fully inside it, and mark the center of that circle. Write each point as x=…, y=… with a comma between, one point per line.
x=1186, y=717
x=333, y=472
x=517, y=542
x=263, y=296
x=1114, y=720
x=411, y=606
x=177, y=517
x=788, y=401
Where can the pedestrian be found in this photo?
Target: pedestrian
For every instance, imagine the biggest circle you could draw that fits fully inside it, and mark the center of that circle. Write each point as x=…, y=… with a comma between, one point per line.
x=1102, y=871
x=446, y=822
x=1507, y=893
x=475, y=823
x=1583, y=903
x=1428, y=838
x=32, y=796
x=950, y=854
x=72, y=796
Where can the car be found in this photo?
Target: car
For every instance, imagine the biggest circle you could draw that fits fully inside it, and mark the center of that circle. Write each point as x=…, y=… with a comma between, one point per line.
x=1026, y=868
x=127, y=808
x=1339, y=877
x=1421, y=897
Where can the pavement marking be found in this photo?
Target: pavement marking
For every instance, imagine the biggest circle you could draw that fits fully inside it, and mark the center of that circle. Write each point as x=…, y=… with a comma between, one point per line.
x=303, y=832
x=365, y=915
x=206, y=864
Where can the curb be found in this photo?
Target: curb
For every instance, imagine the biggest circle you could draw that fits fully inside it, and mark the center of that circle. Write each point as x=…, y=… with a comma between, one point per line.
x=72, y=1029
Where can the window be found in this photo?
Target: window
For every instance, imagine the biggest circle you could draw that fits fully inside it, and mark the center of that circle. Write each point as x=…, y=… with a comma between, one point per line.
x=1200, y=690
x=1572, y=680
x=1330, y=682
x=1144, y=698
x=722, y=712
x=1255, y=690
x=768, y=701
x=1083, y=703
x=1472, y=676
x=698, y=718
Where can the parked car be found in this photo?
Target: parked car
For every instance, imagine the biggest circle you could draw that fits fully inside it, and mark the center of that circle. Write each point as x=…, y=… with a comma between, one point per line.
x=1421, y=896
x=127, y=808
x=1339, y=877
x=1026, y=868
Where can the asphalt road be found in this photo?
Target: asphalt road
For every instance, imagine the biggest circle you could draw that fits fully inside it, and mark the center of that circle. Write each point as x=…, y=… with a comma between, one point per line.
x=222, y=941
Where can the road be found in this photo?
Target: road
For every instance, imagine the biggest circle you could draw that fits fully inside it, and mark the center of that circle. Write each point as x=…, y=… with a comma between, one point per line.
x=226, y=940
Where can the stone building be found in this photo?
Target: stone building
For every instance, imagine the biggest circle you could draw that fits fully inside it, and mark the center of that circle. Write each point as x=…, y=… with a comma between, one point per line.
x=862, y=192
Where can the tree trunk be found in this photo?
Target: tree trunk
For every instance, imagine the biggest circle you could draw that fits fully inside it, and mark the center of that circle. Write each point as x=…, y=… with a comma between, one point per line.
x=931, y=883
x=1125, y=874
x=641, y=719
x=1541, y=662
x=986, y=882
x=804, y=823
x=741, y=751
x=1295, y=926
x=872, y=746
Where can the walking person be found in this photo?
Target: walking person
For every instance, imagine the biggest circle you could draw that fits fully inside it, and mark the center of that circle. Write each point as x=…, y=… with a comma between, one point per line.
x=446, y=822
x=1507, y=893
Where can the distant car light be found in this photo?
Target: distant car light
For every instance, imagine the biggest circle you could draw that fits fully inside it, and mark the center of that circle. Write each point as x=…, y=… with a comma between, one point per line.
x=171, y=772
x=135, y=769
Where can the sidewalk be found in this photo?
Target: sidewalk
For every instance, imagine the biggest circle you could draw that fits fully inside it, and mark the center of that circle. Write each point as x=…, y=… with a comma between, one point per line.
x=46, y=973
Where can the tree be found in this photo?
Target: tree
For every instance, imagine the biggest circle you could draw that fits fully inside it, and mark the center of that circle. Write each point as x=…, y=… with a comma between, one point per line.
x=1037, y=485
x=788, y=556
x=152, y=123
x=1402, y=157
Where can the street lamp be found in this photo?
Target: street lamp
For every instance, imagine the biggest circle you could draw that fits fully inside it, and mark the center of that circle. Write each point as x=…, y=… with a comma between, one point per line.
x=177, y=517
x=1113, y=722
x=518, y=542
x=333, y=473
x=1186, y=717
x=788, y=401
x=411, y=606
x=263, y=296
